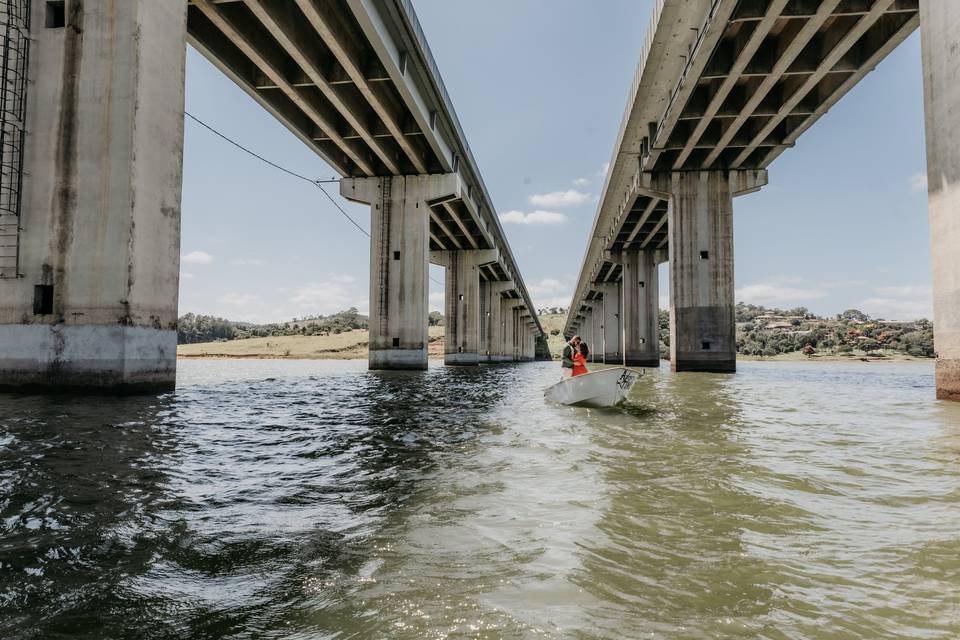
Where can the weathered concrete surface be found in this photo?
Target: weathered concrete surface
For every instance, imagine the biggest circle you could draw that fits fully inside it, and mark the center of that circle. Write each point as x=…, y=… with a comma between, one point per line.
x=940, y=38
x=111, y=357
x=641, y=308
x=611, y=331
x=508, y=319
x=702, y=317
x=702, y=322
x=399, y=263
x=588, y=334
x=462, y=303
x=101, y=208
x=491, y=309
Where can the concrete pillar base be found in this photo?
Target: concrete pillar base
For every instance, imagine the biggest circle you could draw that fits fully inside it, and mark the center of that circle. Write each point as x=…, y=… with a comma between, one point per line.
x=461, y=359
x=693, y=364
x=948, y=379
x=715, y=327
x=397, y=359
x=613, y=358
x=646, y=363
x=102, y=357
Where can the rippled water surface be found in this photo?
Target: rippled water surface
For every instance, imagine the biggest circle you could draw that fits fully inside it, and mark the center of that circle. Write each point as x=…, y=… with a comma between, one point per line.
x=282, y=499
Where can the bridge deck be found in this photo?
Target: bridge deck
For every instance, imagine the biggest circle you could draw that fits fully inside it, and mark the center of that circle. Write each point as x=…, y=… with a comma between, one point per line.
x=724, y=85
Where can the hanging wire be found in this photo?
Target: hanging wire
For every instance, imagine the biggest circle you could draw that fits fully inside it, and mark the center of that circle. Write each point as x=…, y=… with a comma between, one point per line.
x=317, y=183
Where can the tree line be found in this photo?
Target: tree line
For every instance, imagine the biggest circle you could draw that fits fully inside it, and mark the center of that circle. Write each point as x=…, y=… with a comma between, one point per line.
x=194, y=328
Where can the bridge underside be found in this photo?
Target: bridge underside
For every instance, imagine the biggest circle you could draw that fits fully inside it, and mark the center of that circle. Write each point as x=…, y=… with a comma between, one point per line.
x=723, y=88
x=90, y=213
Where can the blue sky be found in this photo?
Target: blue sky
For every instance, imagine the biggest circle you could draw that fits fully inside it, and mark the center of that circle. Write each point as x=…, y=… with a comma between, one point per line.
x=540, y=88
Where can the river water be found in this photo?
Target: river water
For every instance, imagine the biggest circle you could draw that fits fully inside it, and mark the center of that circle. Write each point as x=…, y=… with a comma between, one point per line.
x=289, y=499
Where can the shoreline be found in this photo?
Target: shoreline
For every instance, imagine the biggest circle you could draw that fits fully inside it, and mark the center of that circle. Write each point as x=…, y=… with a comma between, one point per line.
x=432, y=355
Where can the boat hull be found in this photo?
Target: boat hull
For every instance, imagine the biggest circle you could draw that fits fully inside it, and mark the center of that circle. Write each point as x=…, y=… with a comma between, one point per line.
x=601, y=388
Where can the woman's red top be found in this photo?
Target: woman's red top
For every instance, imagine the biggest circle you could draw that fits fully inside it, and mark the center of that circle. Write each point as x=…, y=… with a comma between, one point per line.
x=579, y=364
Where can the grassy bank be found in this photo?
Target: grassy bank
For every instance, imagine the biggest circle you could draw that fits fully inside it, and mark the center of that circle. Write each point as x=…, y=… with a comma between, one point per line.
x=349, y=345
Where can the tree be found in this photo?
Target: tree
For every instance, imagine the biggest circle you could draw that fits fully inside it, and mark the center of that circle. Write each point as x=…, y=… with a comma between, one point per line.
x=435, y=319
x=199, y=328
x=854, y=314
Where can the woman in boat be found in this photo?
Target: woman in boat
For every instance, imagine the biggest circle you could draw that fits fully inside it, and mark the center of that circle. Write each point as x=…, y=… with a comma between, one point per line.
x=580, y=359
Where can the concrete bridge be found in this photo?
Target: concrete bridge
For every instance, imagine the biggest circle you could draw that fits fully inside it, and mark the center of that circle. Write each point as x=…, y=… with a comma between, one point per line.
x=92, y=113
x=722, y=89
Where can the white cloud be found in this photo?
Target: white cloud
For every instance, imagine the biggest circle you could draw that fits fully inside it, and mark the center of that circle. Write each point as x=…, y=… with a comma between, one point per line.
x=197, y=257
x=568, y=198
x=906, y=291
x=534, y=217
x=896, y=308
x=186, y=276
x=842, y=284
x=909, y=302
x=436, y=301
x=581, y=182
x=605, y=169
x=550, y=292
x=776, y=293
x=239, y=299
x=918, y=183
x=252, y=262
x=336, y=293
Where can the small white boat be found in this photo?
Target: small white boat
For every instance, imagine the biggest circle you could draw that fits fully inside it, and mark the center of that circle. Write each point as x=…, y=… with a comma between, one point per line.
x=600, y=388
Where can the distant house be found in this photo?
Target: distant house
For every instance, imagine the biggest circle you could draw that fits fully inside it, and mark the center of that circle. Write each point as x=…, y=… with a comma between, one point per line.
x=780, y=325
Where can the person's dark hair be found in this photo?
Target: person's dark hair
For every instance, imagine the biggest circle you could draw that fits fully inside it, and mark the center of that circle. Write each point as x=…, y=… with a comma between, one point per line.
x=584, y=349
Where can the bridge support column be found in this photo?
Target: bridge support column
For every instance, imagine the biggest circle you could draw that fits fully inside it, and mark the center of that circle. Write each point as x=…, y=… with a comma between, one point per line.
x=588, y=332
x=508, y=323
x=462, y=302
x=491, y=338
x=399, y=263
x=702, y=324
x=523, y=335
x=89, y=270
x=939, y=27
x=611, y=332
x=641, y=308
x=530, y=343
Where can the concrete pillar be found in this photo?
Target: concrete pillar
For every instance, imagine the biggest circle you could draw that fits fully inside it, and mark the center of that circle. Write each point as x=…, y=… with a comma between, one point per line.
x=641, y=308
x=491, y=321
x=508, y=322
x=399, y=263
x=702, y=325
x=588, y=334
x=940, y=43
x=523, y=334
x=462, y=303
x=93, y=300
x=610, y=327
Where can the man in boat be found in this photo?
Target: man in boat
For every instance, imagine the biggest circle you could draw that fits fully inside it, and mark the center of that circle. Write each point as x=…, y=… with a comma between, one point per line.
x=572, y=348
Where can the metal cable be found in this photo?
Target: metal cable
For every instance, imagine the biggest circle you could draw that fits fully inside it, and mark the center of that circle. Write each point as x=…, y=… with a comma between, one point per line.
x=317, y=183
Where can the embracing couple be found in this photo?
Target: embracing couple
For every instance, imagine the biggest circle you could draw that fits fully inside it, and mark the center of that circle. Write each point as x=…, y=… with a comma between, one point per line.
x=575, y=357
